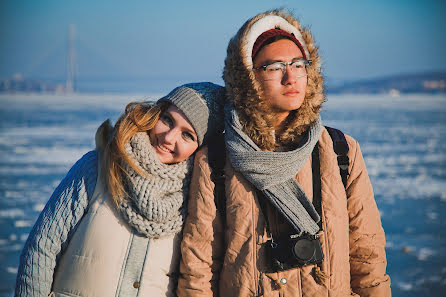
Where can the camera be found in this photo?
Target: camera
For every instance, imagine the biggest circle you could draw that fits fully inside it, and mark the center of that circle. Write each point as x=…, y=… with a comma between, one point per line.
x=294, y=251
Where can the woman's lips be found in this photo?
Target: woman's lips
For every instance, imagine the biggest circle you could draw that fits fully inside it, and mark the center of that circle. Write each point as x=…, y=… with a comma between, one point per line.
x=163, y=149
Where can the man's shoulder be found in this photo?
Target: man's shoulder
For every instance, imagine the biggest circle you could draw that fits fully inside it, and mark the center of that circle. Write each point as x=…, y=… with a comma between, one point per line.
x=202, y=156
x=327, y=140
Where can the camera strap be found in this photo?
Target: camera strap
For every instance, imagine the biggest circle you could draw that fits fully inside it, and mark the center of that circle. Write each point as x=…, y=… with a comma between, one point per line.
x=317, y=192
x=317, y=189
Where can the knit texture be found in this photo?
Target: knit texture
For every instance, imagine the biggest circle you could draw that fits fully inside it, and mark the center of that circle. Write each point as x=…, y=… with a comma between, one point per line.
x=202, y=103
x=54, y=228
x=156, y=205
x=273, y=173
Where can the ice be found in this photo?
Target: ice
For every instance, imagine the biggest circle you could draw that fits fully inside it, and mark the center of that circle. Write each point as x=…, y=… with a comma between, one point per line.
x=11, y=213
x=405, y=286
x=403, y=140
x=56, y=155
x=12, y=270
x=38, y=207
x=14, y=170
x=73, y=102
x=425, y=253
x=23, y=223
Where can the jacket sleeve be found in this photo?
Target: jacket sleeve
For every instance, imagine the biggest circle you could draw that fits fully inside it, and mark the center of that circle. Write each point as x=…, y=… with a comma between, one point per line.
x=54, y=227
x=202, y=246
x=367, y=240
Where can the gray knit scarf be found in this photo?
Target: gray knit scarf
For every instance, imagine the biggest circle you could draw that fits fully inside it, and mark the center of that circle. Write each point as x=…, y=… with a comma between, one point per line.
x=156, y=205
x=273, y=173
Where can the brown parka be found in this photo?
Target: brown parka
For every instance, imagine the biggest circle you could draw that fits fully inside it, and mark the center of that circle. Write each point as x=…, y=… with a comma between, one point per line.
x=228, y=257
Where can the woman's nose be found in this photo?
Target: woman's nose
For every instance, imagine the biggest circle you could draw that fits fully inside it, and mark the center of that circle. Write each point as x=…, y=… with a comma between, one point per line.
x=170, y=136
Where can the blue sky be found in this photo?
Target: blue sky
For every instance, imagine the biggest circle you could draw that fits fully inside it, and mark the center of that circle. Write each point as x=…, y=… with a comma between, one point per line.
x=147, y=39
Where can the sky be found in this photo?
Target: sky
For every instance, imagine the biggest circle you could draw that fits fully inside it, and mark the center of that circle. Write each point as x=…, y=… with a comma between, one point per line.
x=144, y=40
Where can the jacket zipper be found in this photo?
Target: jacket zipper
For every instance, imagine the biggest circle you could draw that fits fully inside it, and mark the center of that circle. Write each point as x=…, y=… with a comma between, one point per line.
x=327, y=251
x=299, y=282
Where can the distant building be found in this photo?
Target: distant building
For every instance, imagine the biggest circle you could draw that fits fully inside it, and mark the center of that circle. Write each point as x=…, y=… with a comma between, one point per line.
x=439, y=85
x=18, y=84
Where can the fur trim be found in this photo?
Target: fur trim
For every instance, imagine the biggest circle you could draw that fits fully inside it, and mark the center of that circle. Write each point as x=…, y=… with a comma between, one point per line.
x=263, y=25
x=245, y=92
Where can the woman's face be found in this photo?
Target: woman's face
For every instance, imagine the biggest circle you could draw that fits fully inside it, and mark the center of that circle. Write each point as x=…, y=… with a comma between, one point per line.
x=173, y=137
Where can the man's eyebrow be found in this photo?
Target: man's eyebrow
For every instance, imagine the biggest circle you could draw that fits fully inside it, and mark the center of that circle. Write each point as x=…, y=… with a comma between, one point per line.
x=270, y=61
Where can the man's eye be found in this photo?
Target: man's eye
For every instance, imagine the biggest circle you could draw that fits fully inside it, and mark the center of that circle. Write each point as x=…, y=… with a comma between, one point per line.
x=274, y=67
x=297, y=65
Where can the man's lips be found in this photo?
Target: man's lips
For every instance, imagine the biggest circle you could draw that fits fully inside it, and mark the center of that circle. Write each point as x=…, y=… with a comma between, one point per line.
x=291, y=93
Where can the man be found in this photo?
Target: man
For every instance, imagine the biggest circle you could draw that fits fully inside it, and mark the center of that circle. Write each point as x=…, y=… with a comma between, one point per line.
x=272, y=240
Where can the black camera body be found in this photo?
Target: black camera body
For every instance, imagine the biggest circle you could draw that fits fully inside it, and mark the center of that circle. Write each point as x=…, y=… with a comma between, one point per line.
x=294, y=251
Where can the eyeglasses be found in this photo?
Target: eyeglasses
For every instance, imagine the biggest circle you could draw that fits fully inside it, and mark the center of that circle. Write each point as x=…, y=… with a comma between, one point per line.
x=276, y=70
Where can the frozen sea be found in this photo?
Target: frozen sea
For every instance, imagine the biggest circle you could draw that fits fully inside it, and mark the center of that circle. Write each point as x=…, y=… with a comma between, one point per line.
x=403, y=140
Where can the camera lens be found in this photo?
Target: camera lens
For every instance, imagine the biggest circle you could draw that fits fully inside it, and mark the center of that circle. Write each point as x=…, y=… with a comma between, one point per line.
x=304, y=250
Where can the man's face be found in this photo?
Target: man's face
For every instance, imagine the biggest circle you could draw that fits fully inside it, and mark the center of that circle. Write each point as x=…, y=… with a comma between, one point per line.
x=286, y=94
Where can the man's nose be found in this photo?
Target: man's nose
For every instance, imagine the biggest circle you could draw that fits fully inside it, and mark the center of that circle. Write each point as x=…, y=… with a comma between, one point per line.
x=289, y=77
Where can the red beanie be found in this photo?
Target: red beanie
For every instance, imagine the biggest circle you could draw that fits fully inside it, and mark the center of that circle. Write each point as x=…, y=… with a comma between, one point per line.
x=272, y=33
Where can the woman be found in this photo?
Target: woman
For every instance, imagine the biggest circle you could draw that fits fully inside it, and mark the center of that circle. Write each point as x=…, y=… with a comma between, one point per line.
x=272, y=240
x=113, y=225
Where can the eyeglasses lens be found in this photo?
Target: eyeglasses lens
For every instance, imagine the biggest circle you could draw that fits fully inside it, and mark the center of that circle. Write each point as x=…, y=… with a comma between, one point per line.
x=275, y=71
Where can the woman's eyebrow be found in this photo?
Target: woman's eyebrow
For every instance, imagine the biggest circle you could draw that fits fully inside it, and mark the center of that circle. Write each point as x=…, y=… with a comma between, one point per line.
x=188, y=129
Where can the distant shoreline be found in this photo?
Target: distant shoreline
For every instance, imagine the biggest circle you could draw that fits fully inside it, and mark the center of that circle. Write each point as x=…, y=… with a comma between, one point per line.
x=420, y=83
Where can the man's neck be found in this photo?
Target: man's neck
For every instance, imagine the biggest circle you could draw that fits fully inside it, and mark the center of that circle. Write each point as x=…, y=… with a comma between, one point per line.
x=281, y=123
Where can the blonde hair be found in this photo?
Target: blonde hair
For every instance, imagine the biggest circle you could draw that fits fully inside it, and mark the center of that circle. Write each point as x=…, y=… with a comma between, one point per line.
x=138, y=117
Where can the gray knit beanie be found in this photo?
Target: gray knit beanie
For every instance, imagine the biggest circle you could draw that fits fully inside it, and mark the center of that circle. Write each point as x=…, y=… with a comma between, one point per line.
x=203, y=105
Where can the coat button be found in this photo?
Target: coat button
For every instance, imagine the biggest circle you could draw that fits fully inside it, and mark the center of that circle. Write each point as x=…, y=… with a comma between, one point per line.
x=283, y=281
x=136, y=285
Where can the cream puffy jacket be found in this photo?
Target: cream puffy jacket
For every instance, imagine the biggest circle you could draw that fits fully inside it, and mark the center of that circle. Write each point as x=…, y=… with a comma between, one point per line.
x=80, y=246
x=230, y=259
x=105, y=258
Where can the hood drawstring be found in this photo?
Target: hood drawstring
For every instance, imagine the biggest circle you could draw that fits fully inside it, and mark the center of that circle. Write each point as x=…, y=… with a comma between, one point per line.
x=319, y=276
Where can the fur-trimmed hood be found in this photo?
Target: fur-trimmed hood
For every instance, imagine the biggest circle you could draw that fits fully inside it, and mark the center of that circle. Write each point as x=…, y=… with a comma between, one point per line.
x=245, y=93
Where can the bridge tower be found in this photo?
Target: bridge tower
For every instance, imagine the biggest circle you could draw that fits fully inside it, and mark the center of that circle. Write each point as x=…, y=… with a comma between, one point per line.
x=71, y=61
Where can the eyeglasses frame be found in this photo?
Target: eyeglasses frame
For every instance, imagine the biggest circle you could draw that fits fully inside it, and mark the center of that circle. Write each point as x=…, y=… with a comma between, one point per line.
x=305, y=62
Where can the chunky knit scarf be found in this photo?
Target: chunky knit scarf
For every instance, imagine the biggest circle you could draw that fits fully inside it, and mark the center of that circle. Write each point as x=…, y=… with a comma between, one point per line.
x=156, y=205
x=273, y=173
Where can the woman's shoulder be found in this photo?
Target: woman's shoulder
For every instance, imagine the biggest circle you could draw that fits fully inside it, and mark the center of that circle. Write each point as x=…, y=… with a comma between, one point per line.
x=87, y=165
x=81, y=177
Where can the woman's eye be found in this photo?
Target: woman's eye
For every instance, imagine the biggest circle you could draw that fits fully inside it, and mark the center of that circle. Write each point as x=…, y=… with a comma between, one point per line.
x=167, y=120
x=188, y=136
